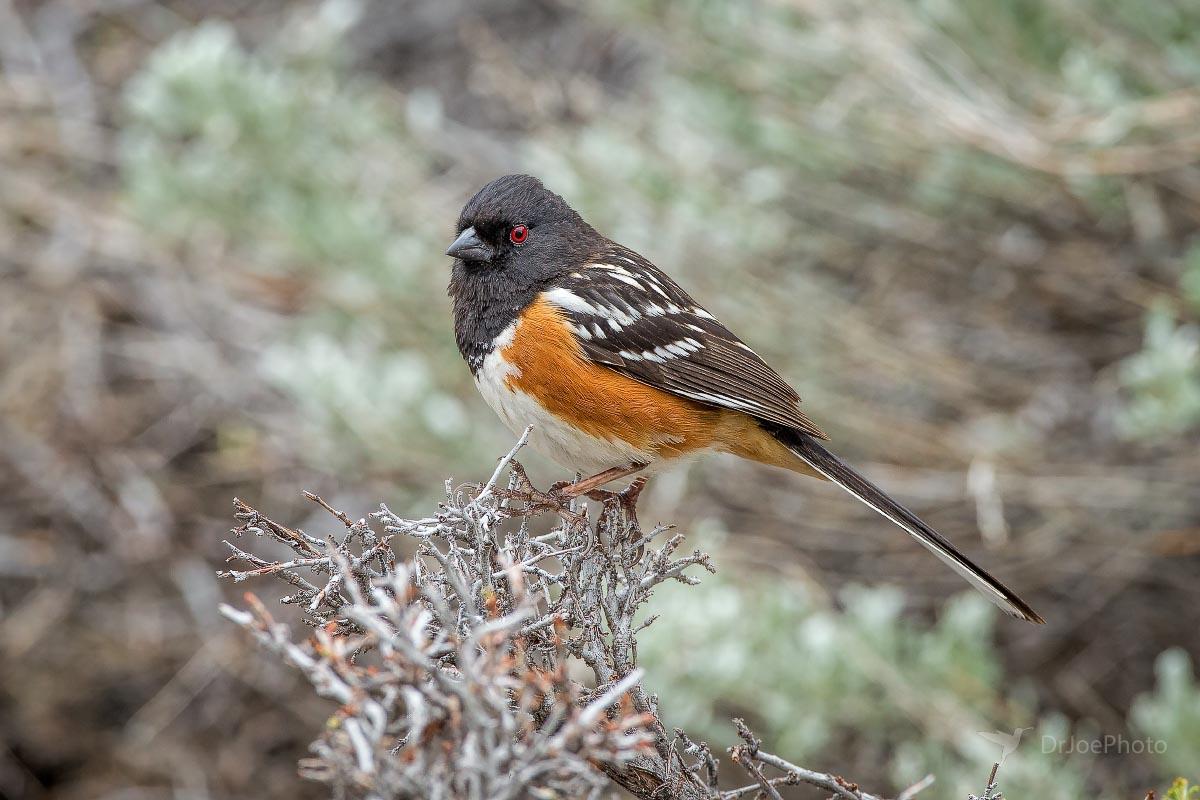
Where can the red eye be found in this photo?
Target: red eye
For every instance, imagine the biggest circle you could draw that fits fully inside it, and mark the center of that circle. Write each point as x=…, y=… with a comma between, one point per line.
x=518, y=234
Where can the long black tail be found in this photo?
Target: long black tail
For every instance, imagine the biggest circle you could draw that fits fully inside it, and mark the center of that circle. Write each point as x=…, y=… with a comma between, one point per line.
x=838, y=471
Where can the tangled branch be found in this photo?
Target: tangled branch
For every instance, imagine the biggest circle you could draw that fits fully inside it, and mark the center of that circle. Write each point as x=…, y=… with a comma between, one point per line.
x=499, y=662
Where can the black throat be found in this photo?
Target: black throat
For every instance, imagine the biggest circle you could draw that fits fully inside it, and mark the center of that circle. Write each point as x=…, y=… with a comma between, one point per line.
x=485, y=303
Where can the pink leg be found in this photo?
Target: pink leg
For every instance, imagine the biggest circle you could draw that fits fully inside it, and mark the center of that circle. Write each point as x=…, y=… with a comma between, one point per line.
x=586, y=485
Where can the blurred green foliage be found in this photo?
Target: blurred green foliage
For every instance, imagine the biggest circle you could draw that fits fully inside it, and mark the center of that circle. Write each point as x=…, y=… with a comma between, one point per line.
x=1171, y=713
x=863, y=672
x=275, y=152
x=813, y=677
x=1182, y=790
x=781, y=82
x=1163, y=378
x=300, y=169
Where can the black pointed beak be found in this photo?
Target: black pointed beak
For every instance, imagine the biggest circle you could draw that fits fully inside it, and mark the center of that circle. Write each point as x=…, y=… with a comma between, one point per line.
x=469, y=247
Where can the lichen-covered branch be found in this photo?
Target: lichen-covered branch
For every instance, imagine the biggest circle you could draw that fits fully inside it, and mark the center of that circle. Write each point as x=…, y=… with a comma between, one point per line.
x=499, y=661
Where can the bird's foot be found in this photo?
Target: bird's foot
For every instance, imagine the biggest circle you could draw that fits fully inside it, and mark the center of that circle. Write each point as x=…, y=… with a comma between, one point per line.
x=569, y=490
x=626, y=501
x=550, y=500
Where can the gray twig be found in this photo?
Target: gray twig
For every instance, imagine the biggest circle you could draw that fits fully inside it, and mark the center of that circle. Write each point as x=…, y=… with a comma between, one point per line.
x=452, y=670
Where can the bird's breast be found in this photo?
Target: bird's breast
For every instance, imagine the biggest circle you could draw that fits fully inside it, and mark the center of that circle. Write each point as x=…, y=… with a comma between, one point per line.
x=585, y=416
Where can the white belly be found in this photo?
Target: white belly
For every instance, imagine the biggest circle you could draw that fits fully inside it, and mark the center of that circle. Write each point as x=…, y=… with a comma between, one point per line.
x=551, y=436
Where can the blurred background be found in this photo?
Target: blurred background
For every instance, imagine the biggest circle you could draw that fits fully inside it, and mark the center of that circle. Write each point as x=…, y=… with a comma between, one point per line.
x=965, y=231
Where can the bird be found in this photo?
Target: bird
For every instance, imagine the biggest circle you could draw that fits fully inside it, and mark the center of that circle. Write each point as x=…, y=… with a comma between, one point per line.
x=1008, y=741
x=620, y=371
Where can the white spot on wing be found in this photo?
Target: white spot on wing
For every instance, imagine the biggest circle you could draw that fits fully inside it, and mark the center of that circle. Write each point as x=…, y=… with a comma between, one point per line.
x=654, y=284
x=620, y=316
x=674, y=348
x=569, y=301
x=624, y=277
x=566, y=299
x=614, y=268
x=721, y=400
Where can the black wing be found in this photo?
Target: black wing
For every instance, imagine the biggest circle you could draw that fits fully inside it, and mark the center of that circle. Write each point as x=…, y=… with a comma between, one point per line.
x=628, y=315
x=631, y=317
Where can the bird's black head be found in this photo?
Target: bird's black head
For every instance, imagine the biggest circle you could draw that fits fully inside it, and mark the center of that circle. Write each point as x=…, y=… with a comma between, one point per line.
x=514, y=237
x=516, y=224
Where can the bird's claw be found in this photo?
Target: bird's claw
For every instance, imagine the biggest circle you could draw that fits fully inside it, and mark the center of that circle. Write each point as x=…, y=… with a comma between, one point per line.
x=626, y=501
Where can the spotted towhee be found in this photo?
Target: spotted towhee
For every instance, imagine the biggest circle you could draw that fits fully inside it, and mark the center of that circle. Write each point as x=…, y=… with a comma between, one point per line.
x=619, y=370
